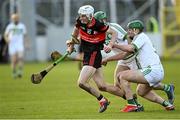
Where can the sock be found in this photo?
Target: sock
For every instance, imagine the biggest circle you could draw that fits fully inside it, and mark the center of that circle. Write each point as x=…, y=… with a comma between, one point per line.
x=20, y=70
x=166, y=88
x=135, y=100
x=165, y=103
x=131, y=101
x=100, y=97
x=14, y=71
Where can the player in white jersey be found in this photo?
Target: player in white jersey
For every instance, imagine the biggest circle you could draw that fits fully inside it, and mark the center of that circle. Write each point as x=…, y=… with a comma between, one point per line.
x=122, y=65
x=150, y=72
x=14, y=36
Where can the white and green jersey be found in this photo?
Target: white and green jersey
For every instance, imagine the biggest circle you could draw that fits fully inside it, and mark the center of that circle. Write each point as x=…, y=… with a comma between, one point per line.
x=121, y=33
x=147, y=55
x=120, y=40
x=16, y=33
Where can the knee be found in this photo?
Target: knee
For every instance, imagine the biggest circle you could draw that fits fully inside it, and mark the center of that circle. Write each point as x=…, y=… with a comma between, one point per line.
x=140, y=92
x=117, y=84
x=119, y=77
x=122, y=76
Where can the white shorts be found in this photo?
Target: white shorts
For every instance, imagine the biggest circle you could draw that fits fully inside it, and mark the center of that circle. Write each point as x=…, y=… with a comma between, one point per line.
x=153, y=74
x=132, y=65
x=16, y=48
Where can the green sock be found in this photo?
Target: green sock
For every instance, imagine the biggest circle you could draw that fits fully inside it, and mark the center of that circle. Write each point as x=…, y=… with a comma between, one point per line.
x=135, y=100
x=165, y=103
x=14, y=73
x=131, y=101
x=166, y=88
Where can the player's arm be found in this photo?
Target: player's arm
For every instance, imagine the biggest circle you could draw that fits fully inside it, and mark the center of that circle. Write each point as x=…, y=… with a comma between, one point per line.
x=74, y=40
x=113, y=37
x=114, y=34
x=119, y=56
x=126, y=48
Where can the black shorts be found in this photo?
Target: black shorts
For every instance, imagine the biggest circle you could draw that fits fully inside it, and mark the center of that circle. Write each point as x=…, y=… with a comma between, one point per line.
x=93, y=59
x=80, y=48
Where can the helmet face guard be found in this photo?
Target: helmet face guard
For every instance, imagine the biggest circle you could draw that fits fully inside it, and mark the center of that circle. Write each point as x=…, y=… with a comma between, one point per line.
x=87, y=10
x=137, y=24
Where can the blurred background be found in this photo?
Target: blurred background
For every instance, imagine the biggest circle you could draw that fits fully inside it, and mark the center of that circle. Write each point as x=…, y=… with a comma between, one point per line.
x=49, y=22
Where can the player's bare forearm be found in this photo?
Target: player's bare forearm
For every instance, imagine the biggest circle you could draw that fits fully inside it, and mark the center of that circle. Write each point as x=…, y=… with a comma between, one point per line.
x=113, y=37
x=75, y=32
x=108, y=48
x=125, y=48
x=116, y=57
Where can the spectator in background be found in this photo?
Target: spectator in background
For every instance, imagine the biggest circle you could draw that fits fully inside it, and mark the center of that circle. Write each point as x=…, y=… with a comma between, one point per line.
x=14, y=36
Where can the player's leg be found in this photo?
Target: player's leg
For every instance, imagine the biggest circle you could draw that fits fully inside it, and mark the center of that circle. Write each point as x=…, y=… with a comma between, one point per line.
x=121, y=66
x=143, y=77
x=131, y=104
x=168, y=88
x=13, y=59
x=83, y=81
x=103, y=86
x=86, y=73
x=90, y=65
x=99, y=80
x=20, y=63
x=145, y=91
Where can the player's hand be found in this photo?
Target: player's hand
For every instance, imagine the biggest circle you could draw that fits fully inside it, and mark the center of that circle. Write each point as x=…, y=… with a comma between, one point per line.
x=70, y=49
x=104, y=61
x=107, y=48
x=69, y=43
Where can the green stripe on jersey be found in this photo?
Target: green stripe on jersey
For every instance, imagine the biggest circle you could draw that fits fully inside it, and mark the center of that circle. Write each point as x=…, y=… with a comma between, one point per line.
x=138, y=64
x=119, y=28
x=135, y=47
x=147, y=71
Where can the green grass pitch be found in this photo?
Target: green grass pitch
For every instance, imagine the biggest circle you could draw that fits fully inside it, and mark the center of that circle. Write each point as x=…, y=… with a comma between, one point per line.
x=58, y=96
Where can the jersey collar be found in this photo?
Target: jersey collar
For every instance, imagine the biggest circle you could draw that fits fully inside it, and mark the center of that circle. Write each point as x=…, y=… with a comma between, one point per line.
x=92, y=23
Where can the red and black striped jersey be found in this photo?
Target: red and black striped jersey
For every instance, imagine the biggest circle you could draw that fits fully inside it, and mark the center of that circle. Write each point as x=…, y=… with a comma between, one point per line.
x=92, y=35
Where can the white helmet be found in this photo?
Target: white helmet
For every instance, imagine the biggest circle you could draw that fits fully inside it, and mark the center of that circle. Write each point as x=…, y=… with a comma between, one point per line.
x=87, y=10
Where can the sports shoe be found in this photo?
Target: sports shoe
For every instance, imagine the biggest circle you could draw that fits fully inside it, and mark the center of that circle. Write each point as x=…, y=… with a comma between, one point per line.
x=103, y=105
x=170, y=107
x=140, y=108
x=130, y=108
x=170, y=94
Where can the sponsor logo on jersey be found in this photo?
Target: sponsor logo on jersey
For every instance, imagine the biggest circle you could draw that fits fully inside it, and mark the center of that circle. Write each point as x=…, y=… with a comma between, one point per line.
x=89, y=31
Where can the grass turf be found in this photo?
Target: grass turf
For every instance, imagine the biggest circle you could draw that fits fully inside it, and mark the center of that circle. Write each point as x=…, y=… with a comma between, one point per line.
x=58, y=96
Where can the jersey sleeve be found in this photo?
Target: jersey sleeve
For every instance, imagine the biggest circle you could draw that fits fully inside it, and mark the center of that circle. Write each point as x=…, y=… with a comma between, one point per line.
x=138, y=43
x=101, y=26
x=121, y=32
